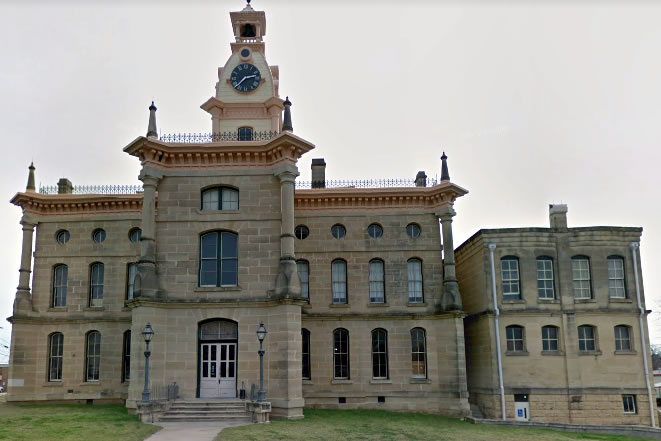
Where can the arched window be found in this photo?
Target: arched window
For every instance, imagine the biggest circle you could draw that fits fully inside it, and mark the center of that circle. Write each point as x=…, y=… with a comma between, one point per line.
x=587, y=338
x=60, y=275
x=96, y=284
x=92, y=356
x=515, y=339
x=303, y=269
x=550, y=339
x=616, y=286
x=580, y=267
x=135, y=234
x=126, y=357
x=55, y=355
x=220, y=198
x=375, y=231
x=415, y=281
x=245, y=134
x=339, y=280
x=379, y=354
x=377, y=281
x=623, y=338
x=307, y=375
x=545, y=289
x=219, y=259
x=509, y=266
x=341, y=354
x=418, y=353
x=131, y=271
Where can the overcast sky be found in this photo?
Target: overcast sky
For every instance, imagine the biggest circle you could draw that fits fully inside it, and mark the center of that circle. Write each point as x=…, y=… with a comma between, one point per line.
x=534, y=104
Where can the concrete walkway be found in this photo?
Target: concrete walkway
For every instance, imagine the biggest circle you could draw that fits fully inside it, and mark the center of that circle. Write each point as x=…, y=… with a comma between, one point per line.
x=193, y=431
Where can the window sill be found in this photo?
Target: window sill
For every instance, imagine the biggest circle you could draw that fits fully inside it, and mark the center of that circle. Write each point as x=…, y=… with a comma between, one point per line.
x=58, y=309
x=216, y=288
x=548, y=300
x=198, y=211
x=341, y=382
x=90, y=383
x=54, y=383
x=416, y=304
x=556, y=353
x=625, y=352
x=414, y=380
x=517, y=353
x=380, y=381
x=94, y=308
x=619, y=300
x=595, y=353
x=585, y=301
x=309, y=382
x=338, y=305
x=378, y=305
x=513, y=301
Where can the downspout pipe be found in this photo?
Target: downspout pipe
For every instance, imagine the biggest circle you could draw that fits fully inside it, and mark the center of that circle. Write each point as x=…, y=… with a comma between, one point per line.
x=492, y=246
x=644, y=349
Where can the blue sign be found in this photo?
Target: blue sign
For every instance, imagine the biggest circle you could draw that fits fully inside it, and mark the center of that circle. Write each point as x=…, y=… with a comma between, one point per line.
x=519, y=413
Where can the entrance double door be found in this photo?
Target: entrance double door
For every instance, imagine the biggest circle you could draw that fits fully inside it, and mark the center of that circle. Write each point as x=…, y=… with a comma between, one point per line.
x=218, y=370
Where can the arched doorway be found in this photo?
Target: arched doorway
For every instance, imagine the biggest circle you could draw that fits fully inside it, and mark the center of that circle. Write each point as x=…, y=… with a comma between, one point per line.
x=217, y=365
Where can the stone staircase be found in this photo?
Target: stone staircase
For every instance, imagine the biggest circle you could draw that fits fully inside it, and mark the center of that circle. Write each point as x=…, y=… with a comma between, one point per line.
x=225, y=410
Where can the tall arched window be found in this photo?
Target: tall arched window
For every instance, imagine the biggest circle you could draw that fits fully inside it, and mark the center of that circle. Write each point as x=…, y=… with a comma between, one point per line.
x=341, y=354
x=96, y=284
x=379, y=354
x=219, y=259
x=131, y=271
x=377, y=281
x=339, y=281
x=509, y=266
x=307, y=374
x=418, y=353
x=415, y=281
x=92, y=356
x=303, y=269
x=55, y=355
x=60, y=275
x=126, y=357
x=220, y=198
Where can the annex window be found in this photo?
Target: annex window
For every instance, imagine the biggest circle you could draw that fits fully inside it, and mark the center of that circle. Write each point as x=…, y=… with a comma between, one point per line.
x=60, y=275
x=580, y=266
x=379, y=354
x=96, y=284
x=629, y=404
x=98, y=235
x=126, y=357
x=545, y=278
x=220, y=198
x=415, y=280
x=623, y=338
x=515, y=340
x=587, y=339
x=509, y=267
x=131, y=271
x=549, y=339
x=616, y=277
x=219, y=259
x=307, y=374
x=341, y=354
x=92, y=356
x=245, y=134
x=338, y=231
x=303, y=269
x=377, y=281
x=339, y=281
x=55, y=355
x=375, y=231
x=418, y=353
x=135, y=234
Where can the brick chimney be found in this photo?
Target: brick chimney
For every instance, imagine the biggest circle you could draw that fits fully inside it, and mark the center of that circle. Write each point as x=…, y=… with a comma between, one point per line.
x=558, y=216
x=318, y=173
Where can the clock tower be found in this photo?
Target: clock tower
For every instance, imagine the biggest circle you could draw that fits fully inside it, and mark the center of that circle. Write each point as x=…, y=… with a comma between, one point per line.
x=246, y=101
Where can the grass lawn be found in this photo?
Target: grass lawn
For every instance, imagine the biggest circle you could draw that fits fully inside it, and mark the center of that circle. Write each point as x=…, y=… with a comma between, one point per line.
x=70, y=422
x=372, y=425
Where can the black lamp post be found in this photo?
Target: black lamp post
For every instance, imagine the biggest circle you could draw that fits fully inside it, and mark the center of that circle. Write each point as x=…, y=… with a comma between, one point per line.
x=261, y=334
x=147, y=333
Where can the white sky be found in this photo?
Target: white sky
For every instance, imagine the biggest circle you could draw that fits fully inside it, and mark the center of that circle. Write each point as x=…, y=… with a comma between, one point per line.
x=533, y=103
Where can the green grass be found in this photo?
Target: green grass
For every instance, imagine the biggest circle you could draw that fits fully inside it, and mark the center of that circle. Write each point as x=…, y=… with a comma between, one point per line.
x=373, y=425
x=70, y=422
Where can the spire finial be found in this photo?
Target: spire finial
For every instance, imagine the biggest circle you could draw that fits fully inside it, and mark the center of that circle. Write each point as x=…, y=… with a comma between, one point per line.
x=31, y=187
x=286, y=120
x=151, y=128
x=445, y=174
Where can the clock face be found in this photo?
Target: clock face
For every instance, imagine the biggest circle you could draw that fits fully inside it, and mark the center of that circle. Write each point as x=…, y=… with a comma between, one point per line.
x=245, y=77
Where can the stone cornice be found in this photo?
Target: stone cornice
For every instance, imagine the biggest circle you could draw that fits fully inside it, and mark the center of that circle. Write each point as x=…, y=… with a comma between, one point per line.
x=62, y=204
x=68, y=319
x=286, y=148
x=382, y=316
x=224, y=303
x=230, y=110
x=405, y=198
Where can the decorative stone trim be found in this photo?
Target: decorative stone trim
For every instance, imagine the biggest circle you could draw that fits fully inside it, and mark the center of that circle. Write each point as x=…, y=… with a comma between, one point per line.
x=380, y=381
x=59, y=204
x=555, y=353
x=414, y=380
x=625, y=352
x=595, y=353
x=416, y=304
x=378, y=305
x=334, y=381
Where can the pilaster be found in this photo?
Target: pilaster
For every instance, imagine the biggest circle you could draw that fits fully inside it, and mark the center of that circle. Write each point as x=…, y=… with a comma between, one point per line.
x=287, y=283
x=23, y=299
x=146, y=278
x=451, y=299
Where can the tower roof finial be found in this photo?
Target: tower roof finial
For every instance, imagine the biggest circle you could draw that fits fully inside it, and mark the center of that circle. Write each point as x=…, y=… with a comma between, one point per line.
x=151, y=128
x=31, y=187
x=445, y=174
x=286, y=119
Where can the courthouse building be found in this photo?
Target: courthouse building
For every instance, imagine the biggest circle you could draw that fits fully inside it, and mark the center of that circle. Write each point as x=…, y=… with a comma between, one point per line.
x=355, y=282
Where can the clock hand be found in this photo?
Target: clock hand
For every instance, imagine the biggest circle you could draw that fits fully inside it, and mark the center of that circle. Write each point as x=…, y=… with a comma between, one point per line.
x=239, y=83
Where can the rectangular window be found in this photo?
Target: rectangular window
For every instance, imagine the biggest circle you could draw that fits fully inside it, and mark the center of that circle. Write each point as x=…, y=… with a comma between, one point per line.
x=93, y=356
x=219, y=259
x=96, y=284
x=210, y=199
x=549, y=338
x=245, y=133
x=379, y=354
x=586, y=339
x=339, y=281
x=341, y=354
x=303, y=269
x=126, y=357
x=55, y=357
x=629, y=403
x=60, y=275
x=510, y=272
x=130, y=279
x=515, y=342
x=545, y=279
x=418, y=353
x=376, y=279
x=415, y=281
x=307, y=375
x=616, y=278
x=622, y=338
x=581, y=277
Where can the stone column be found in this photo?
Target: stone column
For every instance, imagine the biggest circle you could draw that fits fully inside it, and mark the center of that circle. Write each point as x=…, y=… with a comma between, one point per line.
x=146, y=280
x=23, y=299
x=451, y=299
x=287, y=283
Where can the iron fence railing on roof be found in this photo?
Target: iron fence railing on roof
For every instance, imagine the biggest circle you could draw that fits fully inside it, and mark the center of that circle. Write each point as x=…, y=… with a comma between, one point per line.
x=363, y=183
x=95, y=189
x=199, y=138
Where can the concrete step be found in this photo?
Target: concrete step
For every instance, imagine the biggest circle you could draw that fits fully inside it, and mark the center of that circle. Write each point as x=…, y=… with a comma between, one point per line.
x=206, y=406
x=186, y=418
x=205, y=412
